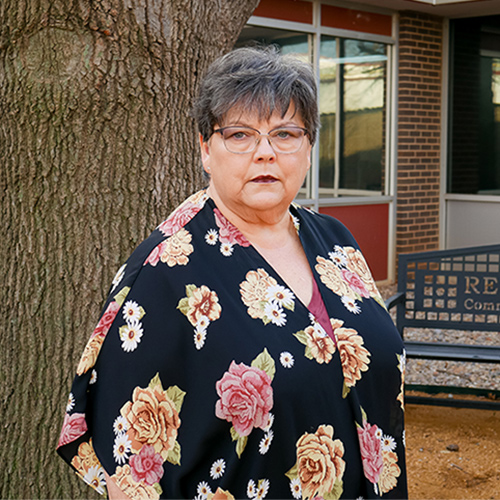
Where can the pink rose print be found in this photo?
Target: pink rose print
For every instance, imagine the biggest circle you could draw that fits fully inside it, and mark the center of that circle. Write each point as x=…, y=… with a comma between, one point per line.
x=246, y=397
x=106, y=319
x=154, y=256
x=147, y=466
x=355, y=283
x=229, y=233
x=179, y=218
x=371, y=451
x=73, y=427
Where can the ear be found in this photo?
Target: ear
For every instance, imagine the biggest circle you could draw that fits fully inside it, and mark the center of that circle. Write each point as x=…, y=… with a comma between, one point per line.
x=205, y=154
x=309, y=155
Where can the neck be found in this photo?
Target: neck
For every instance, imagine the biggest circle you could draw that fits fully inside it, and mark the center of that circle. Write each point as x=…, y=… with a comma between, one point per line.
x=266, y=229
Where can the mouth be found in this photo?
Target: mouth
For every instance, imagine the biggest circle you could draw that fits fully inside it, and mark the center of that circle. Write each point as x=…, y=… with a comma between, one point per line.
x=264, y=179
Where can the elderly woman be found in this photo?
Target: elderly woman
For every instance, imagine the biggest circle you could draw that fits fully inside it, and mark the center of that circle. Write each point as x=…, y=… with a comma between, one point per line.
x=244, y=350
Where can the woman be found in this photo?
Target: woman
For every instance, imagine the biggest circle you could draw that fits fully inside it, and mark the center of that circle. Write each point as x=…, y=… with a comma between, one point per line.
x=244, y=350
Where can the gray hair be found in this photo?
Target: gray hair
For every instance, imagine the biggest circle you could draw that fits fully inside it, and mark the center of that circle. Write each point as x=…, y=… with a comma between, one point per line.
x=257, y=80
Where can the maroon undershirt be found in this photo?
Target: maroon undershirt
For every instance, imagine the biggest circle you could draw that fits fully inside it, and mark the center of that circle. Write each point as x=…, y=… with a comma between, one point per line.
x=317, y=307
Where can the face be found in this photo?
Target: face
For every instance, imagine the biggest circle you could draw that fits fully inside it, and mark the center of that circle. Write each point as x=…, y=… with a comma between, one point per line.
x=259, y=183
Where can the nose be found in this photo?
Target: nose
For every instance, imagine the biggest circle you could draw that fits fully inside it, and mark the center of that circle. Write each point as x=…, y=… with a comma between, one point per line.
x=264, y=150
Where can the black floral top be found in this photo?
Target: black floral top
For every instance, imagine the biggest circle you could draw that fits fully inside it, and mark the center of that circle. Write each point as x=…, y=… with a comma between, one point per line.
x=207, y=378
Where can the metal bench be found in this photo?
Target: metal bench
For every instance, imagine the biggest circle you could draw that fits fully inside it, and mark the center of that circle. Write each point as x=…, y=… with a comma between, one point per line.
x=450, y=290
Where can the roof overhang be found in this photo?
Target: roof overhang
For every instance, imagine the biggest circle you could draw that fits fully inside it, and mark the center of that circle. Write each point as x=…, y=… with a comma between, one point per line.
x=443, y=8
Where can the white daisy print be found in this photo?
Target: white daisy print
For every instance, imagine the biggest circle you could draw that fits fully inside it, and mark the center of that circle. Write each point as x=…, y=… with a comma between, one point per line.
x=351, y=305
x=120, y=425
x=286, y=359
x=338, y=257
x=275, y=313
x=93, y=377
x=251, y=489
x=95, y=477
x=378, y=433
x=296, y=223
x=130, y=336
x=296, y=488
x=202, y=323
x=203, y=489
x=281, y=296
x=118, y=276
x=217, y=468
x=132, y=312
x=211, y=237
x=388, y=443
x=226, y=249
x=121, y=448
x=71, y=402
x=199, y=338
x=270, y=422
x=265, y=442
x=263, y=488
x=319, y=330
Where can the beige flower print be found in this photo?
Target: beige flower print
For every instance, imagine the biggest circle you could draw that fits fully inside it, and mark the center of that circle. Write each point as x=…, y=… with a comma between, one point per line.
x=320, y=465
x=390, y=472
x=353, y=355
x=254, y=292
x=331, y=276
x=177, y=249
x=357, y=264
x=124, y=481
x=203, y=302
x=320, y=344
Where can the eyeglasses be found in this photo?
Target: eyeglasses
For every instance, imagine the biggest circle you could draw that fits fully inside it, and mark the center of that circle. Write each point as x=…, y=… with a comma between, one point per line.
x=241, y=140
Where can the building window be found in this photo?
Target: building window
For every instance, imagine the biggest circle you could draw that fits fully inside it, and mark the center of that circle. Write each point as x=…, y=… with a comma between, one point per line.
x=351, y=160
x=474, y=166
x=353, y=76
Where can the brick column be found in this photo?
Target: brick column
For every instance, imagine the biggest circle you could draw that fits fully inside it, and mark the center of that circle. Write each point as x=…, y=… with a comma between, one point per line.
x=419, y=132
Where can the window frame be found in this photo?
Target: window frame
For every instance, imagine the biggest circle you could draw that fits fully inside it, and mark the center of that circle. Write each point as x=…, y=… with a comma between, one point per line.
x=311, y=197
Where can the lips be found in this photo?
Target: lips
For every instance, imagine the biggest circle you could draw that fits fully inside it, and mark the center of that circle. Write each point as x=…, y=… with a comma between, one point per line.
x=264, y=179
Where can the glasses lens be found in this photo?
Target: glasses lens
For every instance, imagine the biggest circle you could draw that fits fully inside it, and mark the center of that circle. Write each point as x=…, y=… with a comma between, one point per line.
x=245, y=140
x=239, y=139
x=287, y=140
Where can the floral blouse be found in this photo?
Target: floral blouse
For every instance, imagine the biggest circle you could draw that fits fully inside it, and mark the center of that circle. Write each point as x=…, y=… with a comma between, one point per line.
x=207, y=378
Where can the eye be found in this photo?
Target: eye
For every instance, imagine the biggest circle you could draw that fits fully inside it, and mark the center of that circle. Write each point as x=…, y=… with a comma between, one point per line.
x=237, y=134
x=286, y=133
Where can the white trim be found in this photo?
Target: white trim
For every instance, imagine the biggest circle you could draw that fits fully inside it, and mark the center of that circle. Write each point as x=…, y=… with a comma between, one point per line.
x=355, y=201
x=483, y=198
x=314, y=191
x=445, y=117
x=392, y=149
x=269, y=22
x=356, y=35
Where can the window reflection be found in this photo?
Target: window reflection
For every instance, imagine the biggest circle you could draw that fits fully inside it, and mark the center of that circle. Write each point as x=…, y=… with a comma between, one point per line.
x=474, y=160
x=352, y=102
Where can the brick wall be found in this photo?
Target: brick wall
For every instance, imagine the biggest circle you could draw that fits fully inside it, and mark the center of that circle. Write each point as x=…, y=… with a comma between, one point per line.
x=419, y=132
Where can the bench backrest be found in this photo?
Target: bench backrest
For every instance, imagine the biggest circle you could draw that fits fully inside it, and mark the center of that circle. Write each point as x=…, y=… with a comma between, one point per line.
x=450, y=289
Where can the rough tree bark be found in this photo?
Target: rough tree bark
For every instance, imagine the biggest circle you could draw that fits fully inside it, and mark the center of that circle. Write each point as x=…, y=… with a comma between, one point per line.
x=96, y=147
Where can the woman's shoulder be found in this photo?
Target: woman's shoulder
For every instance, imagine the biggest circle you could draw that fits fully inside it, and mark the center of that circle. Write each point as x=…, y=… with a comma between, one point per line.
x=149, y=251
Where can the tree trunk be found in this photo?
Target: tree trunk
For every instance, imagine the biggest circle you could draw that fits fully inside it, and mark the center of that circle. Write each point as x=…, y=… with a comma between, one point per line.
x=96, y=148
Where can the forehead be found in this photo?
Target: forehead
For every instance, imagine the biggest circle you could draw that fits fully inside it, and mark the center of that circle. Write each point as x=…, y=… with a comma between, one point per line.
x=242, y=116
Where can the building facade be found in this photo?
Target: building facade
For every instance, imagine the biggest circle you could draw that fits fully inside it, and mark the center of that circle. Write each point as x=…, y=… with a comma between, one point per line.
x=408, y=155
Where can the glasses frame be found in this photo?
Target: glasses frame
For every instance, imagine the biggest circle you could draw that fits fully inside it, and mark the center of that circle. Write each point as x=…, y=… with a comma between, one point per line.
x=259, y=138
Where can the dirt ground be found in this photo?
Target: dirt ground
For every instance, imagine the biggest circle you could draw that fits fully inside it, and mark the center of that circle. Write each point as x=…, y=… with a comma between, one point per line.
x=452, y=453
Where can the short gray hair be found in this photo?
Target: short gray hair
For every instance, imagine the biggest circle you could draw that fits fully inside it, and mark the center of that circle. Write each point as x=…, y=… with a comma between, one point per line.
x=257, y=80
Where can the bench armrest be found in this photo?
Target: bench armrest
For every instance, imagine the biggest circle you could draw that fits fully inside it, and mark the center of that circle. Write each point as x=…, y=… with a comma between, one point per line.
x=398, y=298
